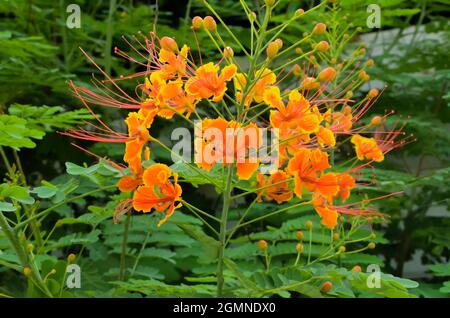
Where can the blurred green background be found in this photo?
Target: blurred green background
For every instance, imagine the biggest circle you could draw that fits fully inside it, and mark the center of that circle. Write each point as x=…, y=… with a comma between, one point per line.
x=39, y=54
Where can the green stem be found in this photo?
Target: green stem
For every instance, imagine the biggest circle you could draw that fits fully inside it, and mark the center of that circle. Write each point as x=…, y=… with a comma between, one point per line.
x=223, y=230
x=109, y=33
x=124, y=247
x=21, y=255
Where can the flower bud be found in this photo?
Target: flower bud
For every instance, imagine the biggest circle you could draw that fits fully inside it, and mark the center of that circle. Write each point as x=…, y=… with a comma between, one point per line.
x=169, y=44
x=30, y=248
x=322, y=46
x=270, y=3
x=326, y=287
x=298, y=51
x=296, y=70
x=333, y=61
x=327, y=74
x=364, y=76
x=342, y=249
x=299, y=247
x=349, y=94
x=228, y=52
x=372, y=93
x=262, y=245
x=209, y=23
x=309, y=225
x=335, y=236
x=197, y=23
x=272, y=49
x=319, y=29
x=371, y=245
x=309, y=83
x=71, y=258
x=279, y=42
x=356, y=269
x=299, y=235
x=299, y=12
x=362, y=51
x=347, y=111
x=370, y=63
x=27, y=271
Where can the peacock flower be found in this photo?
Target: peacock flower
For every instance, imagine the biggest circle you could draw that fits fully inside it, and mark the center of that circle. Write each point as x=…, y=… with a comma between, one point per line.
x=264, y=79
x=304, y=166
x=327, y=213
x=158, y=192
x=226, y=142
x=367, y=148
x=276, y=187
x=208, y=84
x=174, y=64
x=325, y=137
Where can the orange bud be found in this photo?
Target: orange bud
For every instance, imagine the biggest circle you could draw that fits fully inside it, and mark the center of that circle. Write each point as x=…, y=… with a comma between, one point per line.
x=309, y=225
x=279, y=42
x=372, y=93
x=370, y=63
x=327, y=74
x=299, y=235
x=349, y=94
x=322, y=46
x=326, y=287
x=262, y=245
x=272, y=49
x=296, y=70
x=197, y=23
x=319, y=29
x=299, y=247
x=357, y=269
x=169, y=44
x=347, y=110
x=309, y=83
x=364, y=76
x=210, y=23
x=228, y=52
x=299, y=12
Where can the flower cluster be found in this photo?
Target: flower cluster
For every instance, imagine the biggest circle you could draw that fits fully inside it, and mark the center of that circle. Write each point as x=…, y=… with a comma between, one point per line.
x=311, y=109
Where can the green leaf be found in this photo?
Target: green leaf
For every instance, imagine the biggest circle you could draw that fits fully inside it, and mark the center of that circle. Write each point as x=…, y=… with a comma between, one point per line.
x=15, y=133
x=7, y=207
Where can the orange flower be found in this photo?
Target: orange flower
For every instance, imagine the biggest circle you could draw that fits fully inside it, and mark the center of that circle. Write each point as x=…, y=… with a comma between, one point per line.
x=327, y=185
x=208, y=84
x=175, y=63
x=326, y=137
x=328, y=214
x=279, y=191
x=304, y=166
x=346, y=183
x=338, y=121
x=138, y=137
x=248, y=141
x=167, y=96
x=239, y=146
x=296, y=121
x=158, y=192
x=264, y=79
x=367, y=148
